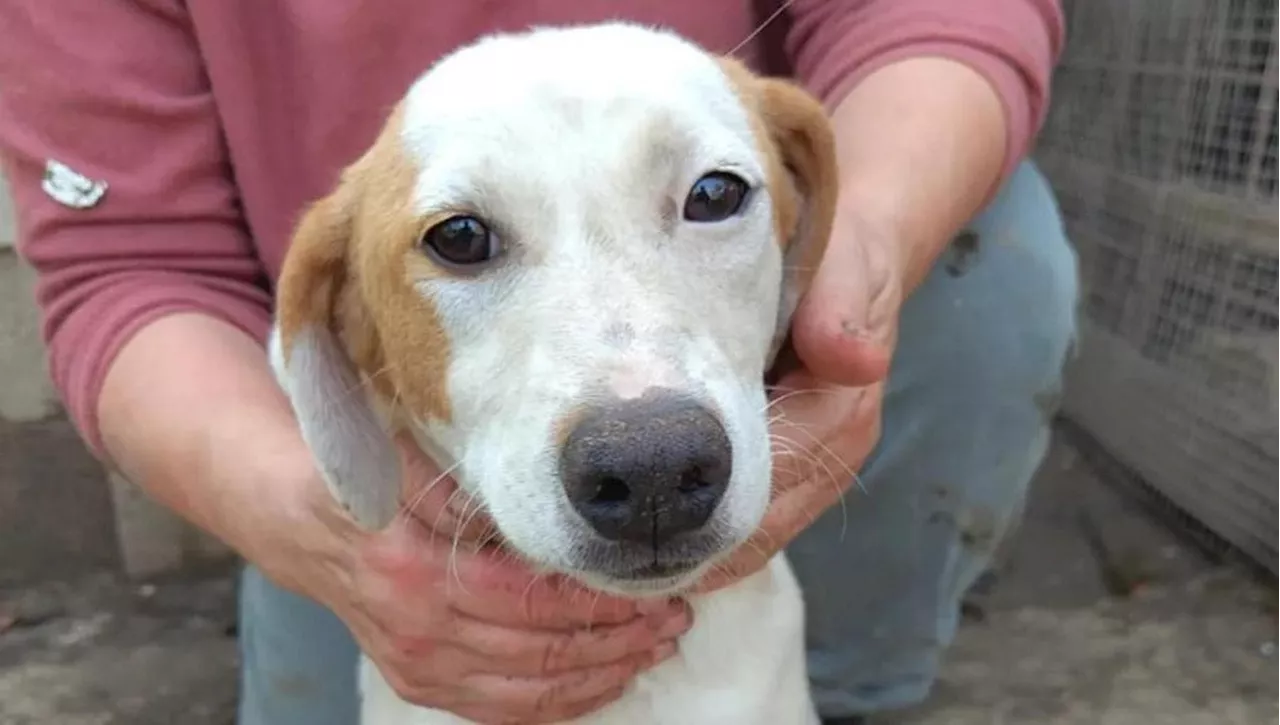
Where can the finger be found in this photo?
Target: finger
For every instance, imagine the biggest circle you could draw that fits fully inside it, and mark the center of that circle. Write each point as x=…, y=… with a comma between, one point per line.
x=497, y=587
x=537, y=653
x=488, y=584
x=478, y=701
x=807, y=429
x=836, y=351
x=741, y=564
x=789, y=514
x=795, y=507
x=576, y=710
x=833, y=331
x=823, y=439
x=563, y=696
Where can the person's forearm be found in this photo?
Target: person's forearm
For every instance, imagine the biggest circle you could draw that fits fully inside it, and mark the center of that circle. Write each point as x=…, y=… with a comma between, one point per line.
x=921, y=146
x=190, y=412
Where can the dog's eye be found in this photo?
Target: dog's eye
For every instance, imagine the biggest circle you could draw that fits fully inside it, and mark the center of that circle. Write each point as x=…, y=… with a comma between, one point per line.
x=715, y=197
x=461, y=241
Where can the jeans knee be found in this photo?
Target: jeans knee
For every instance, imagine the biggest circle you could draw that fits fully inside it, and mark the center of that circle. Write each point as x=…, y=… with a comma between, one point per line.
x=1052, y=268
x=1033, y=274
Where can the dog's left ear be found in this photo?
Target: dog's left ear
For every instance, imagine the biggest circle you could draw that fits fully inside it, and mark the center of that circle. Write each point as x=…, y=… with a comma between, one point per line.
x=316, y=302
x=796, y=137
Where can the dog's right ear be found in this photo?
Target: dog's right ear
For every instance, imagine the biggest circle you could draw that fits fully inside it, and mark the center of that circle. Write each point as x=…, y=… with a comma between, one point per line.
x=805, y=205
x=354, y=453
x=796, y=137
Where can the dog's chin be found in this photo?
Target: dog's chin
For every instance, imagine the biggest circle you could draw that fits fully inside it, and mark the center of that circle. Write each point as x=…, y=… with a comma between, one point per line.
x=646, y=582
x=636, y=571
x=633, y=572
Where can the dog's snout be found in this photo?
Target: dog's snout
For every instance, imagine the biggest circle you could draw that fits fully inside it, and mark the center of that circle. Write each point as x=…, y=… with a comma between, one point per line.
x=646, y=470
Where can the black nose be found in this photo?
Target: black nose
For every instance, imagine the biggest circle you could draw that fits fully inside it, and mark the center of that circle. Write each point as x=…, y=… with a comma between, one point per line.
x=646, y=470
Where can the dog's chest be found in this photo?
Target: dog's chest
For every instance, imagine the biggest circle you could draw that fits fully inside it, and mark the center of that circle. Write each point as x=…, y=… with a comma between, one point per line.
x=743, y=662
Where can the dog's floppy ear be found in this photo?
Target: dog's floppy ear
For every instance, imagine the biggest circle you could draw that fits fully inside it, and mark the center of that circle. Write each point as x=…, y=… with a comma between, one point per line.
x=351, y=448
x=804, y=184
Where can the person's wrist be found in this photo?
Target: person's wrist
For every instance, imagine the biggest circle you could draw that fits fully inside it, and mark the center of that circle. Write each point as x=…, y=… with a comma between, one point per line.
x=917, y=164
x=299, y=536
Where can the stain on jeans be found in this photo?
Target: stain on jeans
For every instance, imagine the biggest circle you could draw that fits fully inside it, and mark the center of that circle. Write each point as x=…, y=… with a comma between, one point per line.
x=963, y=253
x=979, y=529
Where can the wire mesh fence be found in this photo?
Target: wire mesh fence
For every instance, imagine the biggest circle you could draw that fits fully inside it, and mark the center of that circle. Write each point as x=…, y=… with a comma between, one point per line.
x=1161, y=145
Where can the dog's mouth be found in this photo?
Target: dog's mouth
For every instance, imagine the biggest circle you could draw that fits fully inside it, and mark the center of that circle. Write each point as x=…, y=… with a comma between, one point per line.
x=648, y=570
x=643, y=570
x=657, y=571
x=643, y=582
x=624, y=575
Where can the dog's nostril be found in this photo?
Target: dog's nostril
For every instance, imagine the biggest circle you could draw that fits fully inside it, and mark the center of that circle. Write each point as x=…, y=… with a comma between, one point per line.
x=646, y=470
x=611, y=489
x=692, y=479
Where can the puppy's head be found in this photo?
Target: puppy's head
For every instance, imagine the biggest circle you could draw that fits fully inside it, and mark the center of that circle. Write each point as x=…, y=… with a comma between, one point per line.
x=565, y=266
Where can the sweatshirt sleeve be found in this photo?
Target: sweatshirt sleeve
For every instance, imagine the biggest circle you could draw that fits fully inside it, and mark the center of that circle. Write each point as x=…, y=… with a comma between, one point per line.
x=126, y=207
x=1014, y=44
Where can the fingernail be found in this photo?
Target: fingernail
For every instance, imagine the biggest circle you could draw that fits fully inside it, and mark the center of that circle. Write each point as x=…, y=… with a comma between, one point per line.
x=671, y=608
x=664, y=652
x=660, y=606
x=675, y=626
x=652, y=606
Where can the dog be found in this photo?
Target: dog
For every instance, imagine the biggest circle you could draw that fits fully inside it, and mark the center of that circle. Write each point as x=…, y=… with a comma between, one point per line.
x=564, y=267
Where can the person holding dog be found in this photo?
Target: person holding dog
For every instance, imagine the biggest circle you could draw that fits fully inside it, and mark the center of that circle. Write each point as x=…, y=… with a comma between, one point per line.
x=160, y=150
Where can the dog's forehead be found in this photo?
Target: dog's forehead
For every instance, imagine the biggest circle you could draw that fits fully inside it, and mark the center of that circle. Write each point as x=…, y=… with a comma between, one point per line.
x=569, y=78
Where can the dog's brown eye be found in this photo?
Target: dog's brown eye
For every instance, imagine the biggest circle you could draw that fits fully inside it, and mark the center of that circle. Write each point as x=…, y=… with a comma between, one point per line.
x=461, y=240
x=715, y=197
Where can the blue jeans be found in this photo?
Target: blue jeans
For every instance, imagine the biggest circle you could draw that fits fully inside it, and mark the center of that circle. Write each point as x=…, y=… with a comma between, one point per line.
x=967, y=415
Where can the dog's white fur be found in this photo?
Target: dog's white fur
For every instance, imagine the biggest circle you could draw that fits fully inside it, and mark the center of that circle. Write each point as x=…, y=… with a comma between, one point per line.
x=579, y=145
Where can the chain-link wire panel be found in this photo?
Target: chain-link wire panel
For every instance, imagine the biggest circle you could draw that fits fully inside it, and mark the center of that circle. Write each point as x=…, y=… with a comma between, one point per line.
x=1161, y=145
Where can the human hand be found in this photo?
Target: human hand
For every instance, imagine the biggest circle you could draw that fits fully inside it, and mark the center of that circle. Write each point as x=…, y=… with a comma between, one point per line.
x=825, y=413
x=455, y=624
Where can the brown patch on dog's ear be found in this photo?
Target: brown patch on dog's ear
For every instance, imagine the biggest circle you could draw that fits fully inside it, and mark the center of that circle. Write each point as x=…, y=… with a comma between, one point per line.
x=412, y=349
x=315, y=269
x=352, y=266
x=795, y=137
x=349, y=321
x=318, y=288
x=350, y=445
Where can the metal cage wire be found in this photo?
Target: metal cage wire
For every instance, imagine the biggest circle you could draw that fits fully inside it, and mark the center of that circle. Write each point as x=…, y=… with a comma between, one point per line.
x=1161, y=145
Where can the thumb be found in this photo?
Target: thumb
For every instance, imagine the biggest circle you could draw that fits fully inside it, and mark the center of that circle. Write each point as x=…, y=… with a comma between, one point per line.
x=835, y=331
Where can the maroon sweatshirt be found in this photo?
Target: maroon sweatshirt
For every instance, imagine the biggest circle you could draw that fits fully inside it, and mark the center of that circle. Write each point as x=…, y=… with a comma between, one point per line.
x=159, y=151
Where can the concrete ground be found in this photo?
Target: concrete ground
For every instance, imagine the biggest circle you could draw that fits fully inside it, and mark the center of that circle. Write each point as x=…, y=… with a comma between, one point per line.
x=1053, y=637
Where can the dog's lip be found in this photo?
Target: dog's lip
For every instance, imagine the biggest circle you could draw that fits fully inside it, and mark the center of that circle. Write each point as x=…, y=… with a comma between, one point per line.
x=623, y=562
x=656, y=570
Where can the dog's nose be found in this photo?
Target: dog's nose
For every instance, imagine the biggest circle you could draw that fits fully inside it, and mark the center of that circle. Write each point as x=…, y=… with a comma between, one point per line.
x=646, y=470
